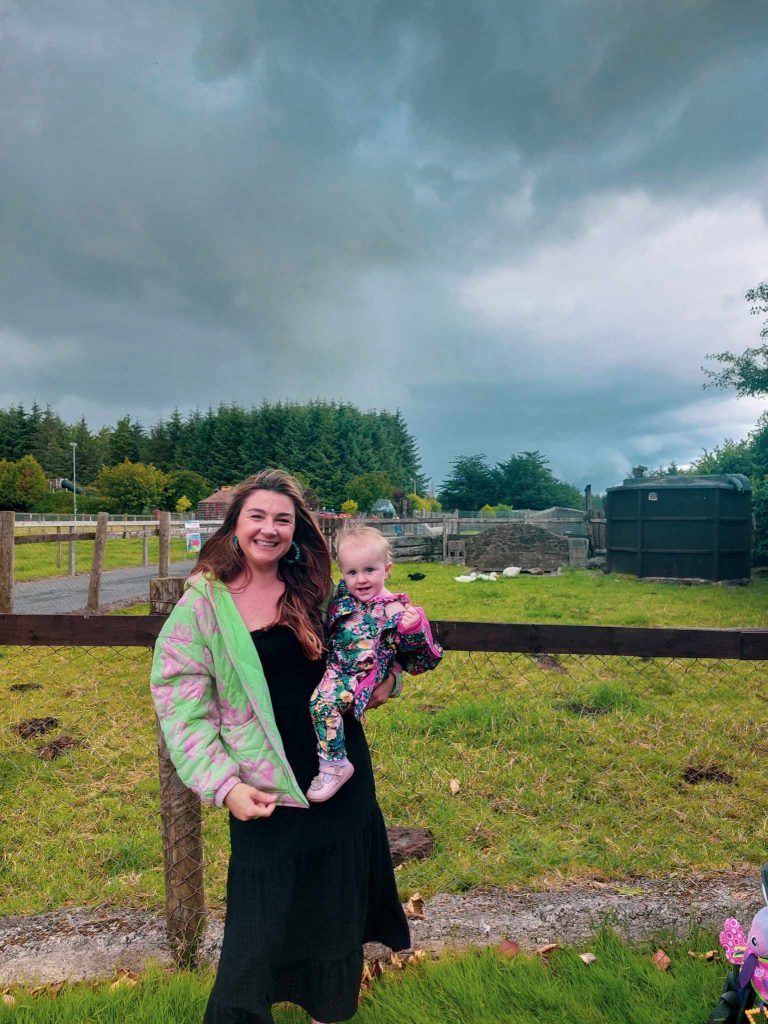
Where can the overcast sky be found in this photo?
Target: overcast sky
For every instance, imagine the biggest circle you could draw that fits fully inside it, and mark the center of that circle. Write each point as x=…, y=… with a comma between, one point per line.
x=522, y=222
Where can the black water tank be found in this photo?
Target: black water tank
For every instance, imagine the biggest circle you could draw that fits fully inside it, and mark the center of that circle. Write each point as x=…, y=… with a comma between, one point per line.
x=681, y=527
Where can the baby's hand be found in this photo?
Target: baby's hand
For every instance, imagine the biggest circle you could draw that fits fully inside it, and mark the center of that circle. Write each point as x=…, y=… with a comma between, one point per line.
x=410, y=620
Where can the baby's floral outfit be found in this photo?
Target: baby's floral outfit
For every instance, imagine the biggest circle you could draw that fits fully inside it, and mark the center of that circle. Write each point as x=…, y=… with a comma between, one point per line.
x=365, y=645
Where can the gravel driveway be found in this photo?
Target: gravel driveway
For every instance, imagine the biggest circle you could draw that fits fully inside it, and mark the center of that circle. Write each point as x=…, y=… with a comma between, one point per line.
x=59, y=595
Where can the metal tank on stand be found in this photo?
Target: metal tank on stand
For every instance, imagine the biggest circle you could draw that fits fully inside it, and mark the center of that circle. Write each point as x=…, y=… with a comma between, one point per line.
x=681, y=527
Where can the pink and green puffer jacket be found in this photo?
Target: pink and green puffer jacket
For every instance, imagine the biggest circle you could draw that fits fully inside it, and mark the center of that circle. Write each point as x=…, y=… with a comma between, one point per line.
x=213, y=702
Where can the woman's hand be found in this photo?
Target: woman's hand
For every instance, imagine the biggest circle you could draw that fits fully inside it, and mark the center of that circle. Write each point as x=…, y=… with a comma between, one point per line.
x=381, y=694
x=245, y=802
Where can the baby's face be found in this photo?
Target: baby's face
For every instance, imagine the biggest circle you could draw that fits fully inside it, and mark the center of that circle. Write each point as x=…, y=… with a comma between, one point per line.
x=365, y=568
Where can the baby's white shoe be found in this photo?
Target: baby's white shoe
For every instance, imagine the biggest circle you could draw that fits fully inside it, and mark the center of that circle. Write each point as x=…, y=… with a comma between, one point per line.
x=330, y=778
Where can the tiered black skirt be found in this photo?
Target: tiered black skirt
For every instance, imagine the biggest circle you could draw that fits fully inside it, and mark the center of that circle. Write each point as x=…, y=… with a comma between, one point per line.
x=306, y=888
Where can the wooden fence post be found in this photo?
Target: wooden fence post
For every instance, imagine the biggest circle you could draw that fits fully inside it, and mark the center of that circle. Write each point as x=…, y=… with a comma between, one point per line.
x=145, y=547
x=164, y=563
x=181, y=818
x=58, y=547
x=97, y=565
x=7, y=525
x=164, y=592
x=72, y=555
x=588, y=518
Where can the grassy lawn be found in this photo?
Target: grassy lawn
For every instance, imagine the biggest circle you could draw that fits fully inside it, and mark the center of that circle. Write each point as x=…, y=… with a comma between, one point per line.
x=36, y=561
x=573, y=767
x=479, y=987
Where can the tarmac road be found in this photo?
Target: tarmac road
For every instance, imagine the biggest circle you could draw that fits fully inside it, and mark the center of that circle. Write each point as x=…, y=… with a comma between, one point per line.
x=59, y=595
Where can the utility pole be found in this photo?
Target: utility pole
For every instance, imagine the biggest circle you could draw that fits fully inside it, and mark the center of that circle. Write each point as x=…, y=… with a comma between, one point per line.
x=73, y=446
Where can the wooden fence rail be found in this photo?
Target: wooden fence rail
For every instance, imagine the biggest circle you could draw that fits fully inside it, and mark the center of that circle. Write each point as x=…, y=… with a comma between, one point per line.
x=180, y=809
x=517, y=638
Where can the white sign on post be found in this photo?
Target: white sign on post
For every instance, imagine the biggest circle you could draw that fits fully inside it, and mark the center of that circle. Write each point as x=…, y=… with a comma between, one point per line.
x=192, y=532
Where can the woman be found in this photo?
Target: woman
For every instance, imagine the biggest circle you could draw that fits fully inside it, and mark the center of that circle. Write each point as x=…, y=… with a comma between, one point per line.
x=235, y=665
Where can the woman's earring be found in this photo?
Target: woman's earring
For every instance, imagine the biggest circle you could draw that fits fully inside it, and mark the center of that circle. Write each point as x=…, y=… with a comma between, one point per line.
x=295, y=551
x=235, y=543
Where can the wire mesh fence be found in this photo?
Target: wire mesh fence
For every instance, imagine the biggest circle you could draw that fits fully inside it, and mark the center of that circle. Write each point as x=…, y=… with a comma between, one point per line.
x=521, y=766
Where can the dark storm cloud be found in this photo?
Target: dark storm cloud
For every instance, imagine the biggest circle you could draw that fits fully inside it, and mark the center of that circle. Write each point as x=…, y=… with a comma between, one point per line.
x=243, y=200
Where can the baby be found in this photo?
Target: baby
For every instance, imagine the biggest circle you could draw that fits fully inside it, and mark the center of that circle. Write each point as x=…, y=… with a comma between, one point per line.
x=371, y=633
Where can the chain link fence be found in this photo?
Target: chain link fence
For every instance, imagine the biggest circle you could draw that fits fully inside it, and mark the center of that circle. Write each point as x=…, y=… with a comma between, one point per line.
x=522, y=768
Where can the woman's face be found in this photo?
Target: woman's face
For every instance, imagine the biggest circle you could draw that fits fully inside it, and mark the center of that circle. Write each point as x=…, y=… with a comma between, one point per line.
x=265, y=528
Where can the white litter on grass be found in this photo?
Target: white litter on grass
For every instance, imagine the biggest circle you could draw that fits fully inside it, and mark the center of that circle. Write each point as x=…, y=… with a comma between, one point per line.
x=511, y=570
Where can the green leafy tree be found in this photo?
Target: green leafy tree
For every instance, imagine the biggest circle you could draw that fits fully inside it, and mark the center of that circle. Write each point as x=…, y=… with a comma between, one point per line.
x=488, y=511
x=526, y=481
x=760, y=512
x=746, y=372
x=131, y=488
x=183, y=505
x=728, y=457
x=471, y=483
x=349, y=507
x=126, y=442
x=29, y=483
x=184, y=483
x=368, y=488
x=7, y=486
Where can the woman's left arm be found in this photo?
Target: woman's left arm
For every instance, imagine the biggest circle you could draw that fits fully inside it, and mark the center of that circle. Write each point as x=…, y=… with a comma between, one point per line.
x=383, y=691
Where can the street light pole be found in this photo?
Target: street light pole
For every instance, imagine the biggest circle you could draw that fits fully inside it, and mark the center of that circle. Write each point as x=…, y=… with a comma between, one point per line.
x=73, y=446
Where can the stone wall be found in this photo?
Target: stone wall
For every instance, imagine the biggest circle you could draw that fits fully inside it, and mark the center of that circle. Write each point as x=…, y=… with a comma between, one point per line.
x=416, y=549
x=515, y=543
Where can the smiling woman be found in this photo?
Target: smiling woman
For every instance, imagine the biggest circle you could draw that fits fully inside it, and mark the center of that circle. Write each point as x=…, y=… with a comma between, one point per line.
x=234, y=668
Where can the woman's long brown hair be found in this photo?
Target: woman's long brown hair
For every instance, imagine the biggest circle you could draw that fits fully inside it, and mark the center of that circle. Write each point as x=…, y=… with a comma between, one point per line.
x=307, y=581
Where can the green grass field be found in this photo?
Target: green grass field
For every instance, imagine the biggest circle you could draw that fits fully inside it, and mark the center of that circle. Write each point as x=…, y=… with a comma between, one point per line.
x=547, y=789
x=37, y=561
x=479, y=987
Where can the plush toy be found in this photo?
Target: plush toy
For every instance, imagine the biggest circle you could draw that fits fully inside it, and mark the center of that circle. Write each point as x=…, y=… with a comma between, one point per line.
x=750, y=952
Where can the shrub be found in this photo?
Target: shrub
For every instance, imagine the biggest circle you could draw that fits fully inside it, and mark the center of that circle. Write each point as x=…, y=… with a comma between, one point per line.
x=349, y=507
x=760, y=512
x=488, y=510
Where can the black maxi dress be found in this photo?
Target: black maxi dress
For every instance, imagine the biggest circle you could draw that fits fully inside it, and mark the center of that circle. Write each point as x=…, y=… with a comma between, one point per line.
x=306, y=888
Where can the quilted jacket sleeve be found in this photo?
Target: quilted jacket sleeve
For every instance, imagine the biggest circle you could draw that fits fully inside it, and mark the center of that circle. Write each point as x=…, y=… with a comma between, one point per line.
x=184, y=692
x=417, y=650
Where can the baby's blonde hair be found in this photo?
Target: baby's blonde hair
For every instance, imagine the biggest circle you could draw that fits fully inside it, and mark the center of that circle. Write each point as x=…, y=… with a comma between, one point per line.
x=364, y=535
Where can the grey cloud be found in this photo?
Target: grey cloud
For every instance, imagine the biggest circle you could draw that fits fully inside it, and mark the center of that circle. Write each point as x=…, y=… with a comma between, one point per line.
x=259, y=199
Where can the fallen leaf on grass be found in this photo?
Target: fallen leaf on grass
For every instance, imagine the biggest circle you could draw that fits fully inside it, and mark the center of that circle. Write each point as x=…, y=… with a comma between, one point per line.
x=661, y=960
x=124, y=980
x=508, y=948
x=454, y=786
x=50, y=991
x=544, y=951
x=588, y=958
x=709, y=956
x=415, y=907
x=368, y=978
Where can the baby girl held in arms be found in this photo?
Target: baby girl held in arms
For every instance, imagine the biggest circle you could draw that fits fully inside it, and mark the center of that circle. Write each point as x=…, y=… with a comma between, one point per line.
x=372, y=632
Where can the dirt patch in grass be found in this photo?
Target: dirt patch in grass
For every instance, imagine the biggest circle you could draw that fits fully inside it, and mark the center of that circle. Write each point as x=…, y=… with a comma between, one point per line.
x=707, y=773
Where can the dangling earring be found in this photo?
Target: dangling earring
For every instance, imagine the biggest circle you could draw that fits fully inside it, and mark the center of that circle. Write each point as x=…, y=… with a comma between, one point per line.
x=295, y=551
x=235, y=543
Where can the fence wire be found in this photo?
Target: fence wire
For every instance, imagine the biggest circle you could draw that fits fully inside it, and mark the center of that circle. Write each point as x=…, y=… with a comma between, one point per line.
x=521, y=768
